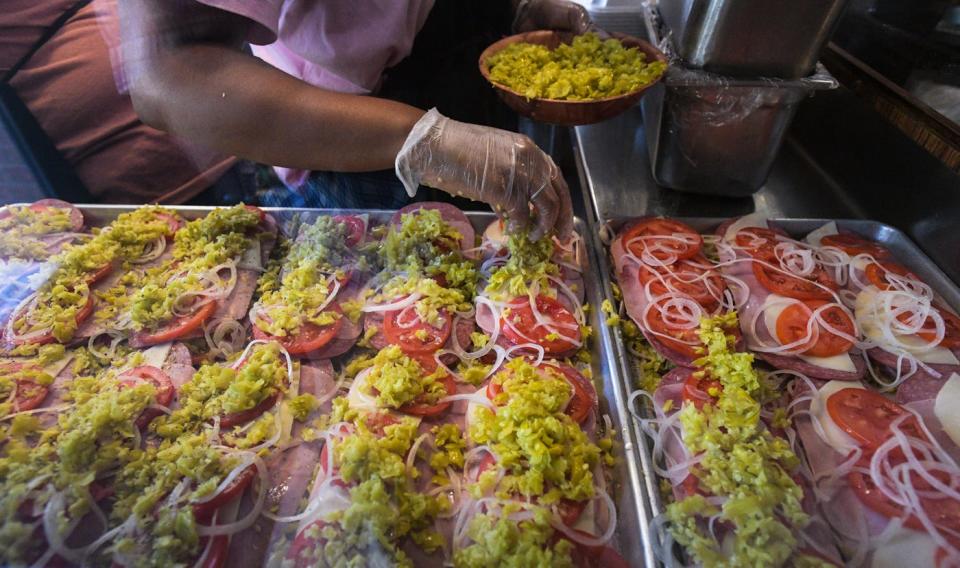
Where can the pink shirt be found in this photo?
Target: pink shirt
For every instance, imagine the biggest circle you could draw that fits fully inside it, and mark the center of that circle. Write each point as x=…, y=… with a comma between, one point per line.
x=341, y=45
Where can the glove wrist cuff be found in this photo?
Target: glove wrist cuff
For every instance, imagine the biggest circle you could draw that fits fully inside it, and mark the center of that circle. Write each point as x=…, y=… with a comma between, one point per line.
x=409, y=165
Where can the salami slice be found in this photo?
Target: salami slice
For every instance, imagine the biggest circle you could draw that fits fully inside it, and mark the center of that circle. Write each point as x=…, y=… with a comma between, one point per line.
x=889, y=360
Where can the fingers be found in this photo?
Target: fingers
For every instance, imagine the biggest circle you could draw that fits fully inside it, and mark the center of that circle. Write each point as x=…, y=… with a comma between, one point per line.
x=547, y=204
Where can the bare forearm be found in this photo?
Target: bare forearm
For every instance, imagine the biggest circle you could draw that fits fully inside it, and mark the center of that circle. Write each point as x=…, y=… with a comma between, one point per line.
x=234, y=103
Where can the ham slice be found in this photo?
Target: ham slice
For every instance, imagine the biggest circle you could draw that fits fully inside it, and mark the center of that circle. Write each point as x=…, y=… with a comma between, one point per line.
x=290, y=475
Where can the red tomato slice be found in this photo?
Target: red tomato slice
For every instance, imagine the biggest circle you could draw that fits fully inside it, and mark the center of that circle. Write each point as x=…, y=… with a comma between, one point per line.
x=82, y=315
x=203, y=512
x=951, y=324
x=244, y=416
x=690, y=277
x=303, y=543
x=177, y=327
x=355, y=228
x=217, y=554
x=260, y=212
x=677, y=339
x=696, y=390
x=76, y=216
x=160, y=380
x=792, y=326
x=759, y=242
x=29, y=395
x=657, y=227
x=854, y=244
x=100, y=274
x=406, y=337
x=172, y=221
x=584, y=556
x=878, y=273
x=818, y=286
x=525, y=326
x=309, y=337
x=582, y=400
x=421, y=409
x=866, y=415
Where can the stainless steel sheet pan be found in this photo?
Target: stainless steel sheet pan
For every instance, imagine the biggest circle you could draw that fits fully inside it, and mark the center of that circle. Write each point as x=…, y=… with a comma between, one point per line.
x=904, y=250
x=626, y=489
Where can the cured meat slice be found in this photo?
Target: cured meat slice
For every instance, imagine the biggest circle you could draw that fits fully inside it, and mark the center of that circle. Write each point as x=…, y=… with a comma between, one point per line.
x=290, y=475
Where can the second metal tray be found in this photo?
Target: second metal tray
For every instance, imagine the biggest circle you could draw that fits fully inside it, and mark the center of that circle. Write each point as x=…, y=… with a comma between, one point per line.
x=903, y=249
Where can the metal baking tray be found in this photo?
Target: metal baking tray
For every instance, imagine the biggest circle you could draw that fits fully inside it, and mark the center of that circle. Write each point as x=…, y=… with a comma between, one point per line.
x=904, y=250
x=626, y=488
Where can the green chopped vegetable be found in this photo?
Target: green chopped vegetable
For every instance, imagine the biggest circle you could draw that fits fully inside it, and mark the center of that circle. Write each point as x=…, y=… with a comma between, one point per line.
x=587, y=69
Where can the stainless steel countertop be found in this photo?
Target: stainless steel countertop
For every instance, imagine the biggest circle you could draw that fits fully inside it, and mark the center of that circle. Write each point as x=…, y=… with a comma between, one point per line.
x=617, y=181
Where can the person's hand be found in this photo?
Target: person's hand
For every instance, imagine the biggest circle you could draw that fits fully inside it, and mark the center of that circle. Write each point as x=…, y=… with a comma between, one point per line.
x=560, y=15
x=502, y=168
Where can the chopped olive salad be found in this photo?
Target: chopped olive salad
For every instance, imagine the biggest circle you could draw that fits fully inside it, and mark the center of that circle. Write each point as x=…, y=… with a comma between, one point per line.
x=586, y=69
x=400, y=394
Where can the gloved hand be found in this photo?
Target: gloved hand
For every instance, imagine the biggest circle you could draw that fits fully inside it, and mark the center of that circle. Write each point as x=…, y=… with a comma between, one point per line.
x=502, y=168
x=561, y=15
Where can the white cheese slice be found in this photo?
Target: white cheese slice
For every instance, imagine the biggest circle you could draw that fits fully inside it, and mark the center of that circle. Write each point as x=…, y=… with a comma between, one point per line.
x=946, y=407
x=157, y=355
x=773, y=306
x=832, y=434
x=751, y=220
x=815, y=236
x=864, y=310
x=494, y=233
x=252, y=258
x=57, y=367
x=358, y=399
x=906, y=548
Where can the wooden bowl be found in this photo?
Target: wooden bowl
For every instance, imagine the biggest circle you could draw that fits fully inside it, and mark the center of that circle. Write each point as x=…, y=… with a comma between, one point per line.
x=567, y=113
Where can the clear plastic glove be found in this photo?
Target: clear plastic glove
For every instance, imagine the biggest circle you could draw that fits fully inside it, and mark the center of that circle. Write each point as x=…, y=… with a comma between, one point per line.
x=502, y=168
x=561, y=15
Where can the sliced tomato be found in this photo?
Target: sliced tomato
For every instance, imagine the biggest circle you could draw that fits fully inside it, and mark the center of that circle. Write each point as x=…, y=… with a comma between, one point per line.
x=692, y=277
x=303, y=543
x=878, y=273
x=355, y=228
x=853, y=245
x=951, y=324
x=696, y=390
x=759, y=242
x=792, y=326
x=569, y=511
x=422, y=409
x=405, y=328
x=684, y=341
x=866, y=416
x=309, y=337
x=244, y=416
x=82, y=315
x=524, y=326
x=260, y=212
x=584, y=556
x=681, y=240
x=172, y=221
x=203, y=512
x=30, y=395
x=216, y=554
x=583, y=400
x=691, y=486
x=162, y=383
x=99, y=274
x=819, y=286
x=177, y=327
x=377, y=421
x=76, y=216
